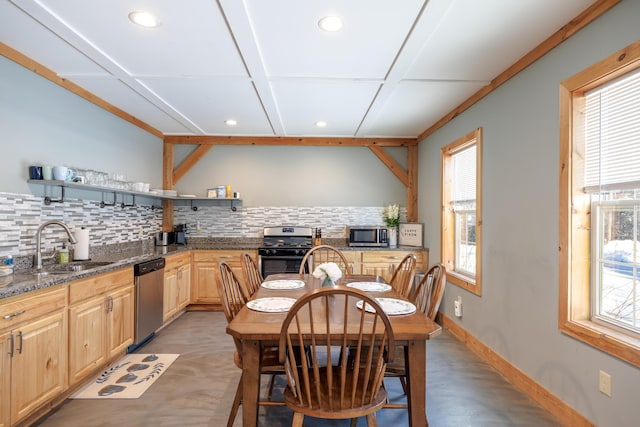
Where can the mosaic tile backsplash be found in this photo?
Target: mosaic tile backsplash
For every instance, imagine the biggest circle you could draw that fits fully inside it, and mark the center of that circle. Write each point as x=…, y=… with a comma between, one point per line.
x=21, y=215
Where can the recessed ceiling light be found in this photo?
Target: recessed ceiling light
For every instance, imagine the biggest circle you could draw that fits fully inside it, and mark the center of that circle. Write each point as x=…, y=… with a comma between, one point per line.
x=231, y=122
x=321, y=124
x=330, y=23
x=144, y=19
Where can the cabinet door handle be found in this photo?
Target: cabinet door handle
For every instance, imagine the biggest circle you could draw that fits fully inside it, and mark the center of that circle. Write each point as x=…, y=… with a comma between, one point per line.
x=11, y=344
x=17, y=313
x=20, y=336
x=110, y=303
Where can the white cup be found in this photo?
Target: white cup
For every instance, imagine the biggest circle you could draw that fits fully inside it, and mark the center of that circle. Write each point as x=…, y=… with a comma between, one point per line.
x=61, y=173
x=47, y=172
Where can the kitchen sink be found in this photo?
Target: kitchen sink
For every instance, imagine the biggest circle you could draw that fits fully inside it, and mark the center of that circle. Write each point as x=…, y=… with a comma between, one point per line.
x=71, y=267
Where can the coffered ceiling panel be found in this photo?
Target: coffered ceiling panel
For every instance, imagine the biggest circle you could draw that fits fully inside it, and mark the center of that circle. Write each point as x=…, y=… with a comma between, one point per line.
x=394, y=69
x=208, y=102
x=414, y=103
x=341, y=104
x=116, y=92
x=292, y=44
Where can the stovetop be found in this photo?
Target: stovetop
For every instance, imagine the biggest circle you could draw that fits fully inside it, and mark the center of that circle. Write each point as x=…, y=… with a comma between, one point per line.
x=286, y=241
x=280, y=243
x=285, y=231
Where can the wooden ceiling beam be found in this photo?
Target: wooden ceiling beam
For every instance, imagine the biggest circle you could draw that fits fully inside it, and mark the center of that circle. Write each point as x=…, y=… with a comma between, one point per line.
x=291, y=141
x=391, y=164
x=193, y=158
x=167, y=184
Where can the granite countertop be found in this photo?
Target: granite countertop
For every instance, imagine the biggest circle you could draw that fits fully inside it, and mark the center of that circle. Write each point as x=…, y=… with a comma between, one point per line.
x=124, y=255
x=119, y=256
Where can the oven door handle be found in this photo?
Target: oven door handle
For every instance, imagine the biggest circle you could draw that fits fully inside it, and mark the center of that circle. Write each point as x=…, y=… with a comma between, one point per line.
x=271, y=257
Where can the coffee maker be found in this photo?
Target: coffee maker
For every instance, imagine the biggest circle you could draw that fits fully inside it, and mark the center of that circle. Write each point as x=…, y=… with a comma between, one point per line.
x=180, y=231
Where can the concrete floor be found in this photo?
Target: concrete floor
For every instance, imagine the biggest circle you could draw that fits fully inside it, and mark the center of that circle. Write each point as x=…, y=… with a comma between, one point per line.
x=198, y=389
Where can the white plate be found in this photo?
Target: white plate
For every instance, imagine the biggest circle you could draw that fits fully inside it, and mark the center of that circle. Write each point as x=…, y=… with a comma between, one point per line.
x=370, y=286
x=283, y=284
x=391, y=306
x=271, y=305
x=187, y=195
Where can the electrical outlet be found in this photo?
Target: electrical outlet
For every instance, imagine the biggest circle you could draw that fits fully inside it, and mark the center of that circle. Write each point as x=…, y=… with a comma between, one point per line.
x=198, y=227
x=140, y=232
x=605, y=383
x=457, y=307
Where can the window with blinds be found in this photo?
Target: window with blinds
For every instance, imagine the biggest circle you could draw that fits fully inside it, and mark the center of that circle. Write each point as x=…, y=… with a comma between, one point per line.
x=612, y=135
x=599, y=209
x=461, y=218
x=612, y=178
x=463, y=204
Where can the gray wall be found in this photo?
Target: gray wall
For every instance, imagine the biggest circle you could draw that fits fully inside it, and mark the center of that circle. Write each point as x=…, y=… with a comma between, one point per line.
x=297, y=176
x=42, y=123
x=517, y=315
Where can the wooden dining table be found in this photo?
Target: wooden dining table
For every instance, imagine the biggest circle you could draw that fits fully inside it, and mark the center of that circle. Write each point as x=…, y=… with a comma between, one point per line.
x=257, y=330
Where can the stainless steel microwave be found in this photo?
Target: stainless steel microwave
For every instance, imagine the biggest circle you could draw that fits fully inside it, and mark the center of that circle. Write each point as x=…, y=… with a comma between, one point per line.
x=368, y=236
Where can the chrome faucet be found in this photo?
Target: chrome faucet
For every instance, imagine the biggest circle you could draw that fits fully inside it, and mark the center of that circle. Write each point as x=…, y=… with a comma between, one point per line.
x=38, y=256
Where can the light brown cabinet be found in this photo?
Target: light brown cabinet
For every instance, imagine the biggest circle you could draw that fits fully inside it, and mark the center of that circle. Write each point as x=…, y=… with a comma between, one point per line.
x=101, y=321
x=5, y=379
x=353, y=259
x=34, y=352
x=204, y=289
x=383, y=263
x=177, y=284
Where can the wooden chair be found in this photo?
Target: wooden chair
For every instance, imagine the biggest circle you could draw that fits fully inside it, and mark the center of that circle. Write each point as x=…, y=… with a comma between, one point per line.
x=427, y=297
x=233, y=299
x=403, y=275
x=321, y=254
x=252, y=276
x=335, y=387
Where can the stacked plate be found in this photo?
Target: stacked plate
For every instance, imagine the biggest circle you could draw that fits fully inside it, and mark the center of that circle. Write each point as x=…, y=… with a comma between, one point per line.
x=283, y=284
x=391, y=306
x=271, y=305
x=370, y=286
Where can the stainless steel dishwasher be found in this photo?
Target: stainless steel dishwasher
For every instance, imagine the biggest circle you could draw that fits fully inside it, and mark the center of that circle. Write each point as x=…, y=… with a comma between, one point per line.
x=149, y=285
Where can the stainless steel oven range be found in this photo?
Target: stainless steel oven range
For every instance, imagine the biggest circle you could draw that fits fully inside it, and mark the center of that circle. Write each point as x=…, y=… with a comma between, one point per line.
x=283, y=248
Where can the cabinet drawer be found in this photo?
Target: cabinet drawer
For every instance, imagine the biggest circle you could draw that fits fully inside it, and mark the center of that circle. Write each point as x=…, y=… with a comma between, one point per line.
x=385, y=256
x=177, y=261
x=232, y=257
x=86, y=288
x=22, y=308
x=352, y=256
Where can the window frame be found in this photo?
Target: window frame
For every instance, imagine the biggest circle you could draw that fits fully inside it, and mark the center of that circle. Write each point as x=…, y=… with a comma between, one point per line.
x=472, y=284
x=574, y=313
